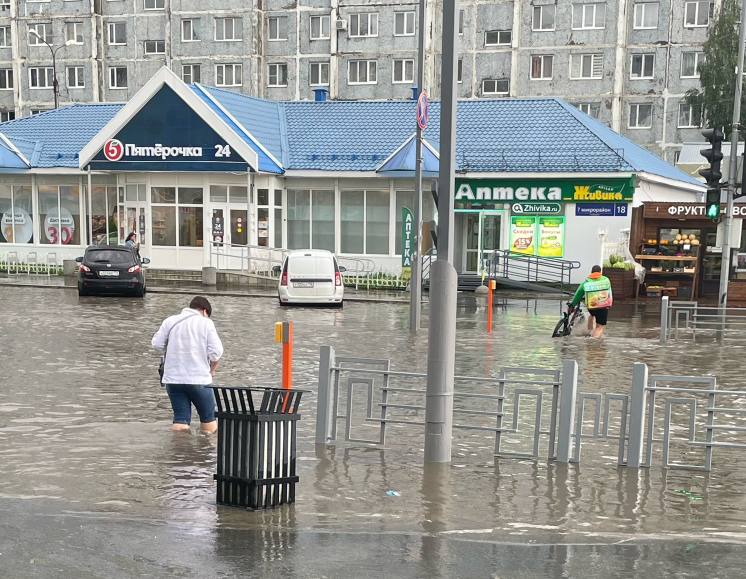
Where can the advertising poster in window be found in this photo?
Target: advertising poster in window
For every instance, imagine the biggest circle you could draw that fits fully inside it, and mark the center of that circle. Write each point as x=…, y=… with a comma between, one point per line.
x=551, y=236
x=523, y=234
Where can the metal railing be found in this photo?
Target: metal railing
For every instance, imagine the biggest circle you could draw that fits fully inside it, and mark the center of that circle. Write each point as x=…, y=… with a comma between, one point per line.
x=531, y=409
x=531, y=269
x=254, y=259
x=687, y=319
x=391, y=398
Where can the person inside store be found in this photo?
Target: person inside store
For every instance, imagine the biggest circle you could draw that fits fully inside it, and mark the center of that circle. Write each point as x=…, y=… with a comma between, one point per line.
x=596, y=290
x=191, y=349
x=113, y=220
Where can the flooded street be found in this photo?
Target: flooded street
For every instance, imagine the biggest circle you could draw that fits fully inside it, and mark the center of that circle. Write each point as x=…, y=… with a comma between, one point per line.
x=85, y=431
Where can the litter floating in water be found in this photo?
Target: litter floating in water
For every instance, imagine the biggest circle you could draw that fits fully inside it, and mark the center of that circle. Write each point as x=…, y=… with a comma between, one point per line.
x=393, y=493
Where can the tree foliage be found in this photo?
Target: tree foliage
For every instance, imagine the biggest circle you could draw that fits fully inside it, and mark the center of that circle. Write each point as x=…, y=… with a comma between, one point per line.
x=717, y=71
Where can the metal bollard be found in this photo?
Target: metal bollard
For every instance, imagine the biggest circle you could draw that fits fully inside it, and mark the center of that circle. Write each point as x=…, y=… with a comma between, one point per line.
x=568, y=392
x=664, y=319
x=637, y=414
x=324, y=405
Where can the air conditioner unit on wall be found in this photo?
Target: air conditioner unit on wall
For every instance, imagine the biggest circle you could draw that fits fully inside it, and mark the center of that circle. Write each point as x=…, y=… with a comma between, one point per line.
x=341, y=24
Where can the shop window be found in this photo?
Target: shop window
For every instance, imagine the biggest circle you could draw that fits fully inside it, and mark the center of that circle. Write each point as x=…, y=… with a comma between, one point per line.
x=104, y=215
x=310, y=219
x=164, y=226
x=163, y=195
x=190, y=196
x=16, y=221
x=190, y=226
x=262, y=197
x=59, y=214
x=278, y=217
x=322, y=216
x=365, y=222
x=299, y=219
x=238, y=194
x=219, y=193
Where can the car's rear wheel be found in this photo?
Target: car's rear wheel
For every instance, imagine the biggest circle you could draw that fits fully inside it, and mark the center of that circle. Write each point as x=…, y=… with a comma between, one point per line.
x=140, y=293
x=81, y=291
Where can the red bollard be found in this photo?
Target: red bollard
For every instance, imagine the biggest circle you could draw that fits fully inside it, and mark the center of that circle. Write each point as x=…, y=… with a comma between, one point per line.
x=490, y=286
x=284, y=334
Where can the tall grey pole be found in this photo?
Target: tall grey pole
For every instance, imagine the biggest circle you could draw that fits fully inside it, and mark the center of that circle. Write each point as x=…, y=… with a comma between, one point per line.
x=732, y=167
x=415, y=282
x=441, y=350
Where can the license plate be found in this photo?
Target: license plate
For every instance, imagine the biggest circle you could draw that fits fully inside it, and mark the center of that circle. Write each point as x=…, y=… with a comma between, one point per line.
x=302, y=284
x=107, y=273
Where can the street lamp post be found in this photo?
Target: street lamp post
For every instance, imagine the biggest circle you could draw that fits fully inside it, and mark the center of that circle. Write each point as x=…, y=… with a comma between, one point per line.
x=55, y=83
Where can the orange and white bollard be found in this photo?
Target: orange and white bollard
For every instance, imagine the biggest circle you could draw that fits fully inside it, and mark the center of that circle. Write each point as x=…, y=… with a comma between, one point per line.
x=284, y=335
x=490, y=286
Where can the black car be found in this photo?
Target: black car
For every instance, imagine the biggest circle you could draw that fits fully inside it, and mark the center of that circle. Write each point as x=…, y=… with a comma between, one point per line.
x=108, y=269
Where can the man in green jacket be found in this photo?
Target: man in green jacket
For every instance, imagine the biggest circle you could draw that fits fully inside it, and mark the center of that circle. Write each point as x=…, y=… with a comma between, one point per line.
x=597, y=292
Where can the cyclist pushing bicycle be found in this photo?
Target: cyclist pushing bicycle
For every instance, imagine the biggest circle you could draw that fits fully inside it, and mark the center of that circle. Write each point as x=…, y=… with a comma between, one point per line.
x=596, y=290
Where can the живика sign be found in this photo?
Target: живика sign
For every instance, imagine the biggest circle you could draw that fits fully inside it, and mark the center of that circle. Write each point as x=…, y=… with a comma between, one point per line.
x=536, y=190
x=553, y=208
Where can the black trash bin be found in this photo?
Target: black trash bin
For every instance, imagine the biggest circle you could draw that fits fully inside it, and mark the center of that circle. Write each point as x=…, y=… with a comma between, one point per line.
x=256, y=446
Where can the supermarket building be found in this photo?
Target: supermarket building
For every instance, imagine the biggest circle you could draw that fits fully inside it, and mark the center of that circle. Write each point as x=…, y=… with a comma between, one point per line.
x=534, y=175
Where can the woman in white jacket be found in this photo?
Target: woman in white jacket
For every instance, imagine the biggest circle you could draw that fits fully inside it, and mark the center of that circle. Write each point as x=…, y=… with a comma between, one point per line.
x=192, y=349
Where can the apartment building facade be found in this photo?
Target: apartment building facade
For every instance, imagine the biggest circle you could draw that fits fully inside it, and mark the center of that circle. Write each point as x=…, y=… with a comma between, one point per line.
x=627, y=63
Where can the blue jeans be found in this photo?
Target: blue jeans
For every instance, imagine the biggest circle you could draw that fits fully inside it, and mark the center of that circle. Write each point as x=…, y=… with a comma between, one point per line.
x=182, y=397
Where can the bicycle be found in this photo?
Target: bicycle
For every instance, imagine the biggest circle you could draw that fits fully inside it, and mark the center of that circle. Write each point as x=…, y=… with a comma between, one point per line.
x=564, y=326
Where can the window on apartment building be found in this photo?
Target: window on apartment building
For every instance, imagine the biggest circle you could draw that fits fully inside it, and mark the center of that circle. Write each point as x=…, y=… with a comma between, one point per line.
x=585, y=16
x=155, y=4
x=37, y=111
x=118, y=77
x=690, y=62
x=404, y=23
x=6, y=116
x=39, y=33
x=498, y=37
x=6, y=78
x=190, y=30
x=190, y=73
x=543, y=18
x=460, y=21
x=277, y=27
x=496, y=86
x=586, y=66
x=117, y=33
x=155, y=47
x=460, y=70
x=590, y=109
x=278, y=75
x=696, y=13
x=640, y=116
x=75, y=77
x=227, y=29
x=319, y=74
x=541, y=67
x=365, y=24
x=228, y=75
x=689, y=116
x=645, y=16
x=74, y=32
x=642, y=66
x=5, y=39
x=362, y=72
x=404, y=70
x=320, y=26
x=41, y=77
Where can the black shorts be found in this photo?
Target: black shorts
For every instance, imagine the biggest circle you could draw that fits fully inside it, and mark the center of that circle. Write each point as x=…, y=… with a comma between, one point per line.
x=601, y=315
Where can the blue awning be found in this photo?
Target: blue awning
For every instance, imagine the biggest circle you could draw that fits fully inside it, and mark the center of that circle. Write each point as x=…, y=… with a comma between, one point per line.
x=402, y=162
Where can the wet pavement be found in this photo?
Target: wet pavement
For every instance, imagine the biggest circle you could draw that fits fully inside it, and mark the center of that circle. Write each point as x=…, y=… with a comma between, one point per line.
x=93, y=480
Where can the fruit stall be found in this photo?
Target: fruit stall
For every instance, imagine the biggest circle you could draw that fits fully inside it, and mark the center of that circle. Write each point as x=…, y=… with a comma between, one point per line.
x=677, y=245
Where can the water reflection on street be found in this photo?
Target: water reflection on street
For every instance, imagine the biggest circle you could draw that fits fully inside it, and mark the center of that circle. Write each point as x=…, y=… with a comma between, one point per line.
x=83, y=420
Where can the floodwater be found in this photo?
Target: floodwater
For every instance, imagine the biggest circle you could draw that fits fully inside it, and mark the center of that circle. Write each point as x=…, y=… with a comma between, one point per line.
x=84, y=424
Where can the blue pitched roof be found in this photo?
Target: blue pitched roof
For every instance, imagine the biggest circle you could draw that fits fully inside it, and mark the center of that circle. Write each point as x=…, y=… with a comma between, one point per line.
x=493, y=135
x=403, y=162
x=54, y=138
x=259, y=117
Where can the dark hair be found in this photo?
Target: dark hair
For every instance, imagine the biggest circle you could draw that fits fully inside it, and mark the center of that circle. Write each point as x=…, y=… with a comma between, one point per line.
x=133, y=234
x=200, y=303
x=596, y=269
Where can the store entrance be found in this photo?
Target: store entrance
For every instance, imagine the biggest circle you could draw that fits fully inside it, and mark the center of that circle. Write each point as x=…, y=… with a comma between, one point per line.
x=480, y=236
x=135, y=220
x=709, y=282
x=229, y=230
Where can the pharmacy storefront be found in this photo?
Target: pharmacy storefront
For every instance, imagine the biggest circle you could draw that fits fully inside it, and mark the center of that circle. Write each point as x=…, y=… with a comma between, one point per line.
x=547, y=217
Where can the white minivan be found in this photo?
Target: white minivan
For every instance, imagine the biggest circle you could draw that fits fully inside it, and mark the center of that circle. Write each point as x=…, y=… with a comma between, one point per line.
x=311, y=276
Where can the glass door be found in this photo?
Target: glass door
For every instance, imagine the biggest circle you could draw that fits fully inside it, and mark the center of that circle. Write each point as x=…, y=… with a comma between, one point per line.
x=490, y=240
x=710, y=270
x=472, y=246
